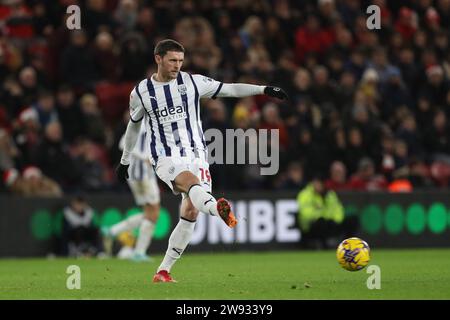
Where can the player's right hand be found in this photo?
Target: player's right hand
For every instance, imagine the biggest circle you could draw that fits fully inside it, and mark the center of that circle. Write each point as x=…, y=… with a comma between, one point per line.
x=276, y=92
x=122, y=172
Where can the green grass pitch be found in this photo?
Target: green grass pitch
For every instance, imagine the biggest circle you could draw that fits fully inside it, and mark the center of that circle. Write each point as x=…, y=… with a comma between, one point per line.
x=405, y=274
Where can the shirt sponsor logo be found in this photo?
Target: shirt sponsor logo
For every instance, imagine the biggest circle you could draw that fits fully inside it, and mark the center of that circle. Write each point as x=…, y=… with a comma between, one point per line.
x=171, y=114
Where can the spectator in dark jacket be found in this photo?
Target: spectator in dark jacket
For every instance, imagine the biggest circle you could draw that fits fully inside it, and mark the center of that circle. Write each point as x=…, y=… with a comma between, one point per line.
x=435, y=89
x=94, y=126
x=106, y=57
x=408, y=133
x=437, y=138
x=355, y=149
x=77, y=62
x=45, y=108
x=53, y=157
x=69, y=113
x=80, y=236
x=133, y=57
x=93, y=171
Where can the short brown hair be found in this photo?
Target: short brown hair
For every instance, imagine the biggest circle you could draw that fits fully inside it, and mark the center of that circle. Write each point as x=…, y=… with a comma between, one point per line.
x=166, y=45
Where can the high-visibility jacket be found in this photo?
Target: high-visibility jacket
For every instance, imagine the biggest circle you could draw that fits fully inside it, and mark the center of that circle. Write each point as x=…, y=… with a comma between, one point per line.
x=313, y=206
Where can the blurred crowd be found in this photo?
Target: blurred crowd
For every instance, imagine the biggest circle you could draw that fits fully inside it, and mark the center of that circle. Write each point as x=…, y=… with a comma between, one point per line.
x=368, y=109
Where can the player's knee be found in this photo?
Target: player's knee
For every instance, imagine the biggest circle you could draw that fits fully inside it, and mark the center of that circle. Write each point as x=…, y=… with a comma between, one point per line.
x=185, y=180
x=190, y=214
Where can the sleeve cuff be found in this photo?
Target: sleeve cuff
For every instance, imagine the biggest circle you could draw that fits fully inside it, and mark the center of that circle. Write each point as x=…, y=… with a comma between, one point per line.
x=135, y=121
x=125, y=160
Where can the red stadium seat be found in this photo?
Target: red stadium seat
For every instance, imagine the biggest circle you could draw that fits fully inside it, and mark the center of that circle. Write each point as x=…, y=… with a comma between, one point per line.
x=113, y=98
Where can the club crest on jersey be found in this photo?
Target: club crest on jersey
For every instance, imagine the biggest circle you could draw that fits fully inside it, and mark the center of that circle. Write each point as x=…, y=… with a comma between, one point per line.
x=182, y=89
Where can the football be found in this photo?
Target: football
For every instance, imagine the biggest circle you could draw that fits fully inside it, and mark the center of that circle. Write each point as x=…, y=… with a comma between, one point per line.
x=353, y=254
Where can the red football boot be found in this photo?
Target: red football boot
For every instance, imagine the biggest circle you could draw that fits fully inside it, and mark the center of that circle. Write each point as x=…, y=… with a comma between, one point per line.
x=163, y=276
x=224, y=209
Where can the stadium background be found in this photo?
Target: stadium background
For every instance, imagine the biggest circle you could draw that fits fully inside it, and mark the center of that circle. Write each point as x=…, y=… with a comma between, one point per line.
x=355, y=94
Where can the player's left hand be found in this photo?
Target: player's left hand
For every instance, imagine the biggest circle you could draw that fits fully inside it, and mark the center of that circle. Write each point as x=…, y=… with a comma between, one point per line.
x=275, y=92
x=122, y=172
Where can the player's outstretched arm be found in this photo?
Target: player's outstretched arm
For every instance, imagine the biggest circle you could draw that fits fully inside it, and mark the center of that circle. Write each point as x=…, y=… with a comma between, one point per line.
x=131, y=135
x=239, y=90
x=210, y=88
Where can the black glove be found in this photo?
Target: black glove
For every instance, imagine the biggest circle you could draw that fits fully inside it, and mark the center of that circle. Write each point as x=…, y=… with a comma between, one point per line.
x=122, y=172
x=276, y=93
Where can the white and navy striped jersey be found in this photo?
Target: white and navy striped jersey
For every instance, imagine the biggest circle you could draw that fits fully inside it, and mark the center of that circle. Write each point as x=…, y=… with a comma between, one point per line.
x=140, y=167
x=171, y=114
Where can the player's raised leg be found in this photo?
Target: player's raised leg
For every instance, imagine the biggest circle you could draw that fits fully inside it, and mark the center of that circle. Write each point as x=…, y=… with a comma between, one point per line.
x=203, y=201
